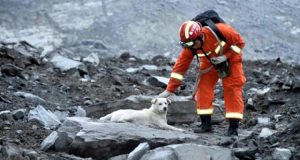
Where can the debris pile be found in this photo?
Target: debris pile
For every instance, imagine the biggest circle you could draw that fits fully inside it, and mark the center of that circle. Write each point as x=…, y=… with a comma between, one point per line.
x=49, y=104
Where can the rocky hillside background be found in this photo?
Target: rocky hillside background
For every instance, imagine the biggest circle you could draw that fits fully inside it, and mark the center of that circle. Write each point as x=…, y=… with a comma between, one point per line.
x=147, y=28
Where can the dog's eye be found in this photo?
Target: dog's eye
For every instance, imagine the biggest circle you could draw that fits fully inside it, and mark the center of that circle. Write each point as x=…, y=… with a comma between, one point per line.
x=160, y=104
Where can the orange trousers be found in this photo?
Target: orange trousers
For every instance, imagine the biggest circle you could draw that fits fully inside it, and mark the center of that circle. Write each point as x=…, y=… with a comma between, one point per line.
x=232, y=85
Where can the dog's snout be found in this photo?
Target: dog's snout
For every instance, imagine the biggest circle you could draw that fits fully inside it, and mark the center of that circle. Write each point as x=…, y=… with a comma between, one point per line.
x=165, y=108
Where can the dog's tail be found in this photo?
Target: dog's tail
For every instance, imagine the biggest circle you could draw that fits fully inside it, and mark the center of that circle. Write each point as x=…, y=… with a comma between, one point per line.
x=106, y=118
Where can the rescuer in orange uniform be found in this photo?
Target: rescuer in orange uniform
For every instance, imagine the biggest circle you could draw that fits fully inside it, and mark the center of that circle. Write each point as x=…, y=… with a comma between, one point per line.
x=202, y=39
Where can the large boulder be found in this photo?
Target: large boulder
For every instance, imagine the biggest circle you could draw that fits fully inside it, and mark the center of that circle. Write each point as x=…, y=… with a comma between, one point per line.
x=85, y=137
x=182, y=112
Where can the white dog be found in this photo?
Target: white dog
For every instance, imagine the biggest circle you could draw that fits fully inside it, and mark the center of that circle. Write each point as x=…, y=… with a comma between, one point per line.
x=155, y=116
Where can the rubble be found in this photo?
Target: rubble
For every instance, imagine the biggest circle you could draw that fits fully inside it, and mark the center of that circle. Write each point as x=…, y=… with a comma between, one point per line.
x=53, y=97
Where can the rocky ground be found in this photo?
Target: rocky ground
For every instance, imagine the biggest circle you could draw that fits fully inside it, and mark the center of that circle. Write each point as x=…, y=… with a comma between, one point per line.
x=93, y=87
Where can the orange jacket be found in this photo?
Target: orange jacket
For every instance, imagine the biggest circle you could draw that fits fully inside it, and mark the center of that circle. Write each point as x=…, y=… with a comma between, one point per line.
x=232, y=49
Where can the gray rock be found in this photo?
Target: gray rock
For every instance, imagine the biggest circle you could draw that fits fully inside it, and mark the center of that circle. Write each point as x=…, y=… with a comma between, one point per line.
x=29, y=96
x=80, y=112
x=125, y=56
x=117, y=80
x=227, y=141
x=11, y=70
x=88, y=102
x=5, y=115
x=86, y=98
x=143, y=67
x=64, y=63
x=245, y=134
x=3, y=98
x=188, y=152
x=182, y=112
x=11, y=152
x=34, y=127
x=277, y=100
x=62, y=141
x=165, y=154
x=263, y=120
x=132, y=70
x=281, y=154
x=296, y=84
x=150, y=68
x=278, y=117
x=251, y=122
x=266, y=132
x=138, y=152
x=64, y=156
x=49, y=141
x=8, y=123
x=100, y=140
x=83, y=71
x=27, y=49
x=19, y=114
x=288, y=82
x=119, y=157
x=92, y=58
x=46, y=118
x=276, y=80
x=156, y=81
x=297, y=156
x=33, y=155
x=250, y=102
x=139, y=98
x=19, y=131
x=294, y=127
x=247, y=153
x=61, y=115
x=260, y=92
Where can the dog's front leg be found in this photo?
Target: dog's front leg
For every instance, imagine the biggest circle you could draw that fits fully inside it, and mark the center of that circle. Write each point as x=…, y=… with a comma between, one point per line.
x=166, y=126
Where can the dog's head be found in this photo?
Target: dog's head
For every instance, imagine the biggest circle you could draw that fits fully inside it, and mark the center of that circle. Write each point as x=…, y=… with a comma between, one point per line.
x=160, y=104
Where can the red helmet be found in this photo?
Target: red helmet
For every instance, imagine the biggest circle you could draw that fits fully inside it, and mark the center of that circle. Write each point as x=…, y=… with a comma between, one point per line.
x=189, y=30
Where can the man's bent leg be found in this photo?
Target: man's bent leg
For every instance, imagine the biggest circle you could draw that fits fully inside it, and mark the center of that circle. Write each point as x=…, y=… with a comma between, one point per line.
x=234, y=108
x=204, y=97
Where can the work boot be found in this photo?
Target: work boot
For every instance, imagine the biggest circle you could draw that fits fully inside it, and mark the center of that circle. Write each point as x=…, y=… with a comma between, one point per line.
x=233, y=127
x=205, y=126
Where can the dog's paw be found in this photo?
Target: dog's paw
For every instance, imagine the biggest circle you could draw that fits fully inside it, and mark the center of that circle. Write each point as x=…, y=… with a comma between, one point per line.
x=180, y=130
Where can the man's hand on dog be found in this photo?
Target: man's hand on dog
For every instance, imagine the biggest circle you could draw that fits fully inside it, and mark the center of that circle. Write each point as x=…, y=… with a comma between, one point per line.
x=165, y=94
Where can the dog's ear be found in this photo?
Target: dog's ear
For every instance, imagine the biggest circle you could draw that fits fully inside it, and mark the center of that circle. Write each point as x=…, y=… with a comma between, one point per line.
x=169, y=100
x=154, y=100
